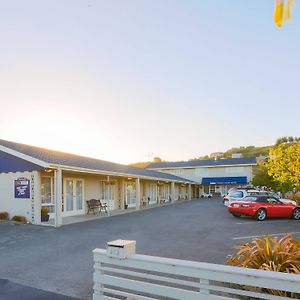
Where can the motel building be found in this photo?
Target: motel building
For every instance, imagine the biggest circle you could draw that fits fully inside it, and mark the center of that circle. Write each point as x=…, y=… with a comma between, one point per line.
x=32, y=178
x=215, y=177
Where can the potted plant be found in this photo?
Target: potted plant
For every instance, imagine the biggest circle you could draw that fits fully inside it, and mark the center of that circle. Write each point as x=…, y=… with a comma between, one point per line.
x=44, y=214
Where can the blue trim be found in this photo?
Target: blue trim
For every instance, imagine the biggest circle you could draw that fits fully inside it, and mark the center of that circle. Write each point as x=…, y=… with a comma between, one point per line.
x=10, y=163
x=224, y=180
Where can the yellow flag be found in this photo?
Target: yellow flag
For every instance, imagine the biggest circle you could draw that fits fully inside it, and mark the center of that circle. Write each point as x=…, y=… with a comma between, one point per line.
x=278, y=12
x=282, y=11
x=287, y=10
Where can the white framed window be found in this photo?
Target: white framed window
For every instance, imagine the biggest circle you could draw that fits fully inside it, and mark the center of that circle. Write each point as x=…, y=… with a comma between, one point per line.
x=107, y=191
x=164, y=191
x=47, y=199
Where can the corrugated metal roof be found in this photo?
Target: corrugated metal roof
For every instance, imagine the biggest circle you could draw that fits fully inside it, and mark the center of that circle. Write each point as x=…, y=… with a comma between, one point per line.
x=73, y=160
x=203, y=163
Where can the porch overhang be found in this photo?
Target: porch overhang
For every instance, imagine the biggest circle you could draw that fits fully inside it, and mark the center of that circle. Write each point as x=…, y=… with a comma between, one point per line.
x=117, y=174
x=224, y=180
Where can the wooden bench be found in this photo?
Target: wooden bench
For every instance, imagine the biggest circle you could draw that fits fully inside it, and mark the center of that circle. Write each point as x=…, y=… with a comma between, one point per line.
x=94, y=204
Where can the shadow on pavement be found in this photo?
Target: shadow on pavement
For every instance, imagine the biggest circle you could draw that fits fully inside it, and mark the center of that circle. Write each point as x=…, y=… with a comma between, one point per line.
x=12, y=291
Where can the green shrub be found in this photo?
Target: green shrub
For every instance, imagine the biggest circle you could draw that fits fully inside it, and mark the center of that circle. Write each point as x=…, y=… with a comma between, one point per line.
x=4, y=215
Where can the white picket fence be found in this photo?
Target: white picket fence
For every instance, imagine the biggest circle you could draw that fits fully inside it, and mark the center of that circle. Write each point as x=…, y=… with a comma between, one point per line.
x=146, y=278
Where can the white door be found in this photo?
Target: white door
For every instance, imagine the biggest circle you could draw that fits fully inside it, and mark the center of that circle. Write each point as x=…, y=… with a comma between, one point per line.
x=130, y=194
x=73, y=197
x=152, y=193
x=107, y=194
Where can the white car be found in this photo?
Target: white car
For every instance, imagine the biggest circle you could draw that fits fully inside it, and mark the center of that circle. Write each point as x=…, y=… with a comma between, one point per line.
x=238, y=195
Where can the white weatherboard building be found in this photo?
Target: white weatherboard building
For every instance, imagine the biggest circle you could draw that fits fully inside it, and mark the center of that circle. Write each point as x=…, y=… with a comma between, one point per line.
x=215, y=177
x=32, y=178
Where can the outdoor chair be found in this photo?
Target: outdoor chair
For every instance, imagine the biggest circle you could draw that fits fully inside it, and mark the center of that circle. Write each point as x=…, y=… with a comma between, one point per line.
x=95, y=205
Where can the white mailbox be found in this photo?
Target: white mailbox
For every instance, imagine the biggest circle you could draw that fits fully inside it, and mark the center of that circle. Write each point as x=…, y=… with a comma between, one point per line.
x=120, y=248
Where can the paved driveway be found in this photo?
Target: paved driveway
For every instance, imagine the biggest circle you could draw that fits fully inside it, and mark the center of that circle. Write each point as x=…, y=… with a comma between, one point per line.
x=60, y=260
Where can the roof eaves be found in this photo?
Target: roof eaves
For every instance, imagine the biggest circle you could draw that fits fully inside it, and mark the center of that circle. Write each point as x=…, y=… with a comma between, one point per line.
x=201, y=166
x=103, y=172
x=24, y=156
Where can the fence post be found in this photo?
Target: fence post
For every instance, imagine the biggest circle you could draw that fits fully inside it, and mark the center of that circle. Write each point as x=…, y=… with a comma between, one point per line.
x=204, y=290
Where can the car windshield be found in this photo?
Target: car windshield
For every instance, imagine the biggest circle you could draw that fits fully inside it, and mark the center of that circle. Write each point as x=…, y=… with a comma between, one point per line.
x=250, y=199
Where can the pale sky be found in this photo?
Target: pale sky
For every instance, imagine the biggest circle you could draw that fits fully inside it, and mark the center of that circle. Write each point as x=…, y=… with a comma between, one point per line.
x=127, y=80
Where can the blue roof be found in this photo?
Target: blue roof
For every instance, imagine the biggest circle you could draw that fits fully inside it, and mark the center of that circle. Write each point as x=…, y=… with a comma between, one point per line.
x=225, y=180
x=72, y=160
x=204, y=163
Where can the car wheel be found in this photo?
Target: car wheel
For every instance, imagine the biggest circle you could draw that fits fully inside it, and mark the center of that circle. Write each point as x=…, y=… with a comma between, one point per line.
x=296, y=214
x=261, y=214
x=236, y=215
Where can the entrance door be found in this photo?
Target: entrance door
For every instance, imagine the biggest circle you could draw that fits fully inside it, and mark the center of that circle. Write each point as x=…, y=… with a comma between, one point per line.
x=73, y=197
x=152, y=193
x=130, y=194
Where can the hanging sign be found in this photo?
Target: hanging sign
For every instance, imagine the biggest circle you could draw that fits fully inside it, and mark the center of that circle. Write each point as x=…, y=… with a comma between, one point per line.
x=22, y=188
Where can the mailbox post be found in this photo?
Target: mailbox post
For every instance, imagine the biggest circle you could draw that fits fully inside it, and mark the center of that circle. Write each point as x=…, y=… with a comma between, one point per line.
x=120, y=248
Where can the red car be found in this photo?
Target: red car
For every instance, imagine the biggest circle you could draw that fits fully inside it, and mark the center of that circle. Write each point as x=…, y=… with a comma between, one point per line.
x=262, y=207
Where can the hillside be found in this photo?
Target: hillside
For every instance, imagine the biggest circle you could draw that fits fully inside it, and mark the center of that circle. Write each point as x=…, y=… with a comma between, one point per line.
x=248, y=151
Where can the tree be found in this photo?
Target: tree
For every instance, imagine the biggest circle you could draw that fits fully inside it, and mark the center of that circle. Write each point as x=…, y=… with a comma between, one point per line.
x=261, y=176
x=284, y=165
x=157, y=159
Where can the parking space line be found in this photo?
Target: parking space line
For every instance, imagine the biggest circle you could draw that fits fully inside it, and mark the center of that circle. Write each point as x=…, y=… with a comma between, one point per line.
x=257, y=236
x=266, y=222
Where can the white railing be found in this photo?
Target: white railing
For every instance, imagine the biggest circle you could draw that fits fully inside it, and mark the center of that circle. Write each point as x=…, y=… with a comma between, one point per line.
x=146, y=277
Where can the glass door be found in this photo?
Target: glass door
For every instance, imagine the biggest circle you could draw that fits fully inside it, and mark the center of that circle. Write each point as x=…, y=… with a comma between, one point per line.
x=130, y=195
x=152, y=193
x=47, y=198
x=108, y=194
x=73, y=197
x=69, y=195
x=79, y=195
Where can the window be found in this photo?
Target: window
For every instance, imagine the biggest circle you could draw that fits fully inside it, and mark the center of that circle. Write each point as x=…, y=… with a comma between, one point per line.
x=165, y=192
x=262, y=200
x=238, y=194
x=206, y=189
x=272, y=200
x=47, y=193
x=235, y=170
x=107, y=191
x=250, y=199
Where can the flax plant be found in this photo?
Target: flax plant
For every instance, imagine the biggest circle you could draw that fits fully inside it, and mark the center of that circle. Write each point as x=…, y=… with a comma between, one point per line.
x=271, y=254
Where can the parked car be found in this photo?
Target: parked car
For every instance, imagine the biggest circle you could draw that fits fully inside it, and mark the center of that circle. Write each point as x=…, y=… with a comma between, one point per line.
x=238, y=194
x=273, y=194
x=262, y=207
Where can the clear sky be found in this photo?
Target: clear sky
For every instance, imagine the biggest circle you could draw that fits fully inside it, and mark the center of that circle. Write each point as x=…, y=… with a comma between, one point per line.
x=126, y=80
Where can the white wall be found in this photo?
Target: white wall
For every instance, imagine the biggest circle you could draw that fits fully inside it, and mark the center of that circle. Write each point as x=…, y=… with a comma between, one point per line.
x=18, y=206
x=92, y=190
x=196, y=174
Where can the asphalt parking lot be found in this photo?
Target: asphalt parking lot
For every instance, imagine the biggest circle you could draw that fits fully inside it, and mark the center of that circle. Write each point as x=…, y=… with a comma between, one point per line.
x=60, y=260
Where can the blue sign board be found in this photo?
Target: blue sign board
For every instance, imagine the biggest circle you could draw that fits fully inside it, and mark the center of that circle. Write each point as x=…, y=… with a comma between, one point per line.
x=22, y=188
